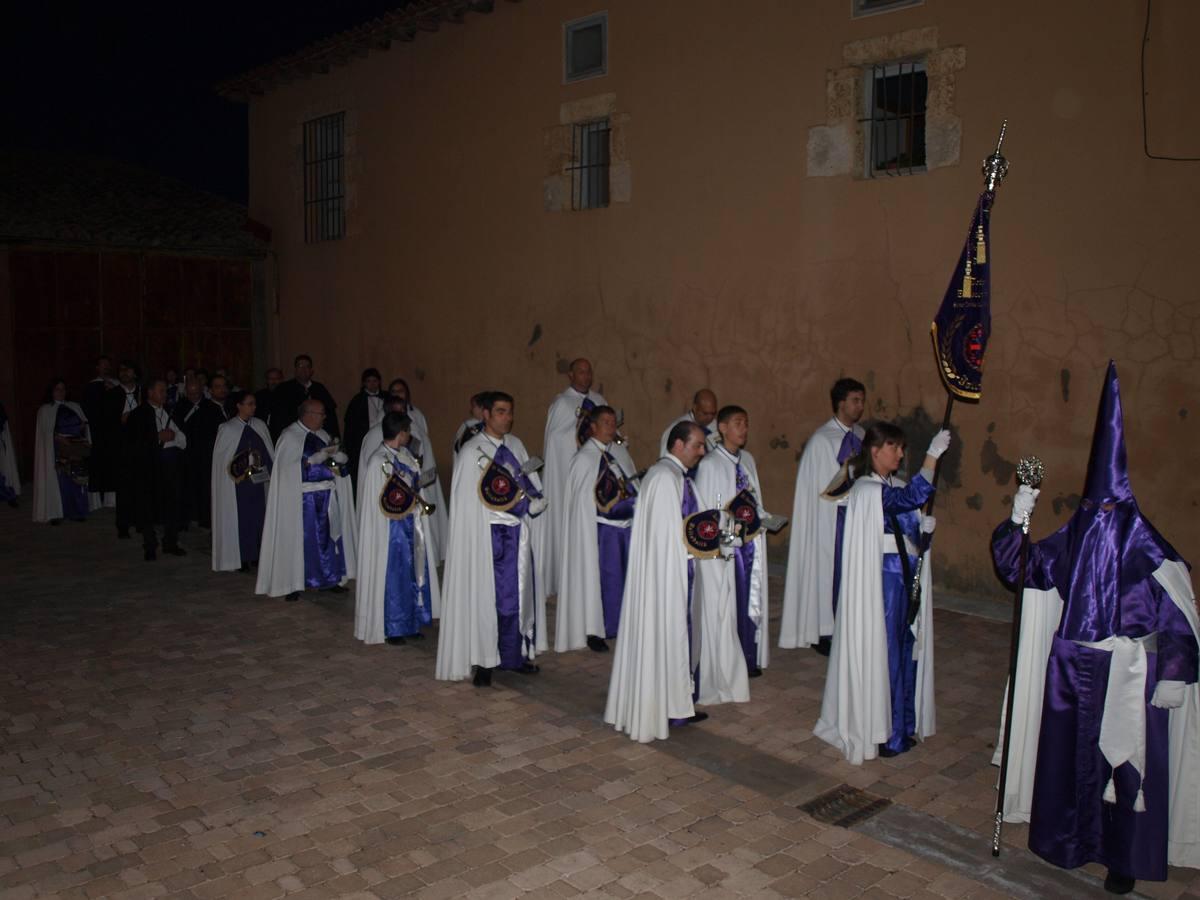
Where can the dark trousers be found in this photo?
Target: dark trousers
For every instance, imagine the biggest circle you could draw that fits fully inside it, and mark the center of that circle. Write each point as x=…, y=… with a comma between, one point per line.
x=164, y=499
x=127, y=515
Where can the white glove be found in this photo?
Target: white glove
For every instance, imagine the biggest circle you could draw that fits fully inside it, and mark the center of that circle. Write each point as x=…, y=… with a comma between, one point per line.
x=1168, y=695
x=537, y=506
x=928, y=523
x=939, y=445
x=320, y=456
x=1023, y=503
x=341, y=458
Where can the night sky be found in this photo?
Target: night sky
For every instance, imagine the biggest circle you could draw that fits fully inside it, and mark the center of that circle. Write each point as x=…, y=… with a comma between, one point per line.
x=135, y=82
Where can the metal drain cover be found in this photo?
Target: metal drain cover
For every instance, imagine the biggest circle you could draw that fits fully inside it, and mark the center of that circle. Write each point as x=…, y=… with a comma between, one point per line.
x=844, y=806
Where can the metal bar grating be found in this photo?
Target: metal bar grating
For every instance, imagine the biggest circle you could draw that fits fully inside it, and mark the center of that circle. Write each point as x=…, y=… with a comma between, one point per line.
x=324, y=178
x=590, y=163
x=844, y=806
x=895, y=118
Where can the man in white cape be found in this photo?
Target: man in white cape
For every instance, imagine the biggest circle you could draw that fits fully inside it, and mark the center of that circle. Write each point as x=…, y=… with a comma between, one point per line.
x=703, y=412
x=566, y=430
x=493, y=605
x=438, y=524
x=731, y=591
x=56, y=494
x=653, y=677
x=595, y=540
x=878, y=698
x=810, y=588
x=470, y=427
x=239, y=501
x=309, y=540
x=397, y=587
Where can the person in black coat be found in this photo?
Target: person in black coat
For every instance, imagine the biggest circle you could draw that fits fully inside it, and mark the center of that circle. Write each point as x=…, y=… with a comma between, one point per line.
x=285, y=405
x=118, y=404
x=102, y=476
x=154, y=444
x=264, y=397
x=201, y=428
x=362, y=412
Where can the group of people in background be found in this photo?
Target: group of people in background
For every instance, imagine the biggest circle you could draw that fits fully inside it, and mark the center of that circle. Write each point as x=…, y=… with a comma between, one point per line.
x=669, y=561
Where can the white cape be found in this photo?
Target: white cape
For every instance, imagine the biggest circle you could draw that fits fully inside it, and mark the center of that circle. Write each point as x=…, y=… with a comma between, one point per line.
x=710, y=431
x=8, y=460
x=1040, y=615
x=281, y=558
x=373, y=534
x=47, y=500
x=226, y=549
x=579, y=610
x=469, y=635
x=651, y=677
x=856, y=710
x=808, y=587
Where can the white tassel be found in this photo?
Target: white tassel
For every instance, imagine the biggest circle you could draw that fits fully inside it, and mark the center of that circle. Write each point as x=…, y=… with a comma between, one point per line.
x=1110, y=792
x=1139, y=803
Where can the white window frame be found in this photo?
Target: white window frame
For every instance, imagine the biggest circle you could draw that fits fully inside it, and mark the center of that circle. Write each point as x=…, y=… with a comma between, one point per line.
x=599, y=18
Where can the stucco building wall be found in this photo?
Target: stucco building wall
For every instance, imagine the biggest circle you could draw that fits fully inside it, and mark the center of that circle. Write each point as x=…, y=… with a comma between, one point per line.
x=734, y=260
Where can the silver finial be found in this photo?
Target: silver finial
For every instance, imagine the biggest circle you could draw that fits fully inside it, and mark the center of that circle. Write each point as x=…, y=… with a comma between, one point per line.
x=1030, y=471
x=995, y=167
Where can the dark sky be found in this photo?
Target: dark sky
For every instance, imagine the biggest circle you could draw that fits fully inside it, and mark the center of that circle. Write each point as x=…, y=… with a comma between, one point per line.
x=135, y=81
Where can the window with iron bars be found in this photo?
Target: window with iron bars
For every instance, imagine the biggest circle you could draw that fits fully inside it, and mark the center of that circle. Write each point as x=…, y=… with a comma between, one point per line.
x=324, y=178
x=589, y=169
x=859, y=8
x=894, y=124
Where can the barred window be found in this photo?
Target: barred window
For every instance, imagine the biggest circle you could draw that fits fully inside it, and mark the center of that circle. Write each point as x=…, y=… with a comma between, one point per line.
x=324, y=178
x=894, y=124
x=589, y=169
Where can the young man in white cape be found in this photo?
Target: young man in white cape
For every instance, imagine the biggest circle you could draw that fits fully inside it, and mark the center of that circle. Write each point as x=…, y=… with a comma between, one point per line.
x=600, y=496
x=878, y=697
x=493, y=605
x=397, y=585
x=566, y=431
x=703, y=412
x=810, y=589
x=470, y=427
x=438, y=527
x=653, y=684
x=239, y=496
x=309, y=537
x=10, y=478
x=61, y=426
x=731, y=591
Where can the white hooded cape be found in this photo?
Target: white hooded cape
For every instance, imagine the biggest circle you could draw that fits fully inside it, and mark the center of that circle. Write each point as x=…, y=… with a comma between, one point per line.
x=710, y=431
x=808, y=587
x=47, y=500
x=281, y=558
x=651, y=677
x=856, y=710
x=8, y=460
x=579, y=610
x=1040, y=615
x=373, y=533
x=468, y=635
x=226, y=550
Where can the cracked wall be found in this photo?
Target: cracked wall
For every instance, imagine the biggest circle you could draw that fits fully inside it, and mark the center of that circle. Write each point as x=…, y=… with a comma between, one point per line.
x=730, y=268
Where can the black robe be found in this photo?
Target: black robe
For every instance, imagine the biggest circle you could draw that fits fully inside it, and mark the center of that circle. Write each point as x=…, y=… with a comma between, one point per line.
x=285, y=406
x=122, y=457
x=263, y=398
x=102, y=464
x=358, y=423
x=154, y=476
x=201, y=430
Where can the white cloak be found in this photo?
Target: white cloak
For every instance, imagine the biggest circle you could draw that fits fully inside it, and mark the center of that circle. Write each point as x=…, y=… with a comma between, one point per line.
x=1040, y=615
x=579, y=610
x=710, y=432
x=469, y=635
x=373, y=533
x=651, y=677
x=8, y=460
x=856, y=710
x=226, y=549
x=808, y=588
x=281, y=558
x=436, y=525
x=47, y=500
x=467, y=423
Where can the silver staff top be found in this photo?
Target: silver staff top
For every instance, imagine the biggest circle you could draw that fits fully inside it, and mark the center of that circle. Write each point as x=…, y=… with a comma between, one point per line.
x=995, y=167
x=1030, y=471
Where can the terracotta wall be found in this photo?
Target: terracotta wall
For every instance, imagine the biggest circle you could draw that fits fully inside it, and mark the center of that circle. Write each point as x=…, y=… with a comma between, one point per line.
x=732, y=267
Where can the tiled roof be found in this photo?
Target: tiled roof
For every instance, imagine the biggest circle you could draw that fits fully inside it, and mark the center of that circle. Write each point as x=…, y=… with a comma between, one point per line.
x=401, y=24
x=85, y=201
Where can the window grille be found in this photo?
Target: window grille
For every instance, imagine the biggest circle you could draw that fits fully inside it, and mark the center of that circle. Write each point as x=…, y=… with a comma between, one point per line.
x=585, y=49
x=589, y=170
x=324, y=178
x=870, y=7
x=895, y=120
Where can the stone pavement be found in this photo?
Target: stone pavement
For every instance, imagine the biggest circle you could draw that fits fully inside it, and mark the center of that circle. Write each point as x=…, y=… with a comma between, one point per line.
x=167, y=733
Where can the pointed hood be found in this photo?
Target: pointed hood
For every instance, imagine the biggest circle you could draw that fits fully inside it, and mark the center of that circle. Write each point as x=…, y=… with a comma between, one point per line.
x=1108, y=469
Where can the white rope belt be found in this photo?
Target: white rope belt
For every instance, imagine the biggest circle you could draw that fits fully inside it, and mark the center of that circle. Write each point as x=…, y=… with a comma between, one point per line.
x=334, y=512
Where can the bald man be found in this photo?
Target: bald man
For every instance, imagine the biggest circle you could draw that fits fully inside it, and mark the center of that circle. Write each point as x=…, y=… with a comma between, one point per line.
x=703, y=413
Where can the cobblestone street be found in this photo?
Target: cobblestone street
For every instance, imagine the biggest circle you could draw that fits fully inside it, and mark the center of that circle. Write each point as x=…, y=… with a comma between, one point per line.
x=167, y=733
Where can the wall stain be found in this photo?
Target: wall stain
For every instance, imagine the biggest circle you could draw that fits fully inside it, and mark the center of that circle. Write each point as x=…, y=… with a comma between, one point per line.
x=975, y=501
x=667, y=385
x=420, y=373
x=779, y=442
x=1183, y=414
x=562, y=366
x=1067, y=501
x=1065, y=377
x=919, y=428
x=537, y=334
x=991, y=461
x=800, y=452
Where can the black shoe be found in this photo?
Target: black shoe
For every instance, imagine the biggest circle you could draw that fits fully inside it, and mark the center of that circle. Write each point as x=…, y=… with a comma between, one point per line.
x=123, y=533
x=292, y=597
x=1115, y=883
x=756, y=672
x=887, y=752
x=395, y=641
x=910, y=742
x=483, y=677
x=597, y=644
x=416, y=636
x=824, y=645
x=336, y=589
x=14, y=504
x=690, y=720
x=528, y=669
x=175, y=550
x=56, y=521
x=244, y=568
x=78, y=518
x=150, y=556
